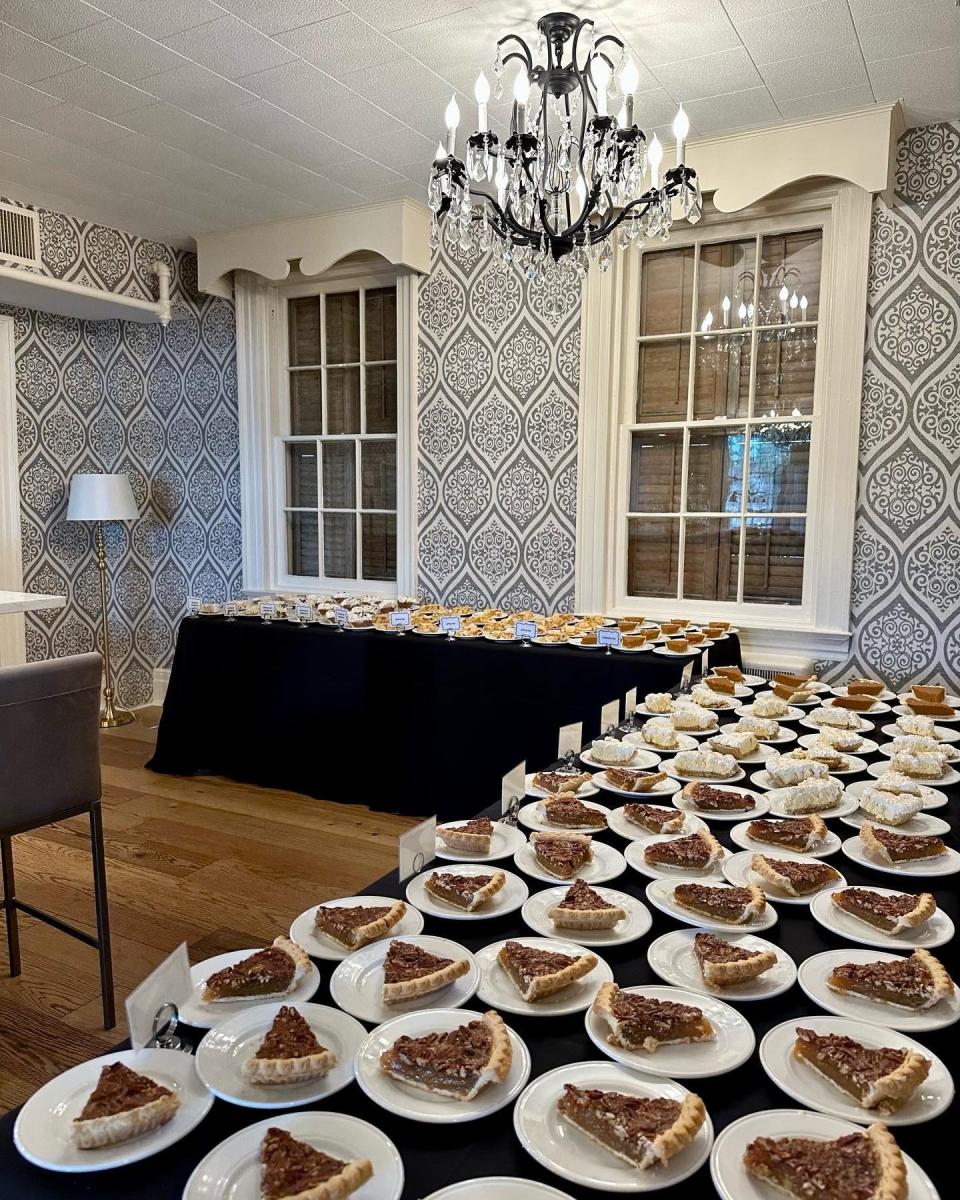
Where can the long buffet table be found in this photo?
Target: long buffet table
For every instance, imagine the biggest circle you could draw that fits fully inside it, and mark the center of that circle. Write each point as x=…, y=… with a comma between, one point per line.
x=407, y=724
x=489, y=1146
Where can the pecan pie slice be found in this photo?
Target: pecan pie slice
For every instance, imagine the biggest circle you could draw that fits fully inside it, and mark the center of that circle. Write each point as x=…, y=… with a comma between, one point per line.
x=856, y=1166
x=468, y=892
x=272, y=972
x=293, y=1170
x=796, y=833
x=723, y=964
x=458, y=1063
x=917, y=982
x=794, y=878
x=561, y=854
x=644, y=1131
x=123, y=1105
x=410, y=971
x=583, y=908
x=475, y=835
x=884, y=845
x=736, y=905
x=289, y=1052
x=558, y=782
x=891, y=913
x=698, y=851
x=710, y=799
x=572, y=813
x=634, y=781
x=638, y=1022
x=536, y=973
x=654, y=818
x=882, y=1078
x=354, y=925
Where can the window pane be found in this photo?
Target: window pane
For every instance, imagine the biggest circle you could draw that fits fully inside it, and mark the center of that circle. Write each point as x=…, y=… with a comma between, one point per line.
x=653, y=553
x=303, y=322
x=666, y=291
x=379, y=546
x=656, y=471
x=779, y=467
x=302, y=544
x=785, y=372
x=343, y=327
x=305, y=390
x=715, y=470
x=790, y=260
x=340, y=545
x=662, y=380
x=721, y=384
x=302, y=475
x=710, y=556
x=381, y=384
x=343, y=400
x=380, y=323
x=726, y=272
x=773, y=571
x=339, y=475
x=378, y=474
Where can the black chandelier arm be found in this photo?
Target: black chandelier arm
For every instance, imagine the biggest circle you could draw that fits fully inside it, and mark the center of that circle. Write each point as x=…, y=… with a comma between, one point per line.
x=523, y=54
x=576, y=41
x=509, y=221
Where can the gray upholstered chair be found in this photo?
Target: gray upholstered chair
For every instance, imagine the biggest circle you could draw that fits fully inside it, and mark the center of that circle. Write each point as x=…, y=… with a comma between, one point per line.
x=50, y=770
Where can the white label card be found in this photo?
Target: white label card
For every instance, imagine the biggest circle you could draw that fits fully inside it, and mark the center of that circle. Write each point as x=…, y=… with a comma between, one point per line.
x=608, y=637
x=630, y=704
x=513, y=787
x=450, y=624
x=570, y=740
x=526, y=630
x=400, y=618
x=609, y=715
x=705, y=662
x=305, y=612
x=687, y=675
x=417, y=847
x=170, y=982
x=230, y=608
x=193, y=605
x=268, y=609
x=341, y=616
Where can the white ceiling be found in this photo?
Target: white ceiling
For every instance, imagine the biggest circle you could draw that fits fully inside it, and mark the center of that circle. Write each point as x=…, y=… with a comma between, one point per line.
x=170, y=118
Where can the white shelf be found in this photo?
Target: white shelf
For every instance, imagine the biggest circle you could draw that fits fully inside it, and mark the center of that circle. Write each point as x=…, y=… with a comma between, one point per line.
x=18, y=602
x=28, y=290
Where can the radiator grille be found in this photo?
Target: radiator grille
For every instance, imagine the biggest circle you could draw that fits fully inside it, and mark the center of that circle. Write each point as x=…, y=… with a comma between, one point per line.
x=769, y=672
x=19, y=235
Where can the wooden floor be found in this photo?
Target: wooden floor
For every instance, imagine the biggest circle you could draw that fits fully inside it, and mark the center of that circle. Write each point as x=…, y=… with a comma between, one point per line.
x=214, y=863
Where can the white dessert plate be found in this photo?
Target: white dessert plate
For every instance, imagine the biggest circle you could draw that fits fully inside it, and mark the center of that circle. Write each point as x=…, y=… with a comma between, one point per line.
x=634, y=833
x=505, y=841
x=864, y=725
x=671, y=956
x=634, y=856
x=935, y=932
x=793, y=713
x=637, y=923
x=942, y=733
x=813, y=701
x=684, y=742
x=950, y=752
x=665, y=787
x=667, y=653
x=498, y=1187
x=843, y=807
x=740, y=837
x=660, y=894
x=948, y=777
x=510, y=897
x=641, y=761
x=760, y=804
x=585, y=789
x=669, y=765
x=953, y=701
x=196, y=1012
x=418, y=1105
x=499, y=992
x=922, y=824
x=931, y=797
x=947, y=863
x=531, y=816
x=607, y=863
x=783, y=736
x=648, y=712
x=356, y=985
x=867, y=746
x=885, y=695
x=901, y=710
x=738, y=871
x=304, y=932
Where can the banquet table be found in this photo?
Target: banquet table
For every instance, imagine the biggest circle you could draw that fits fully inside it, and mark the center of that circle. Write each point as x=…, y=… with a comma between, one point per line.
x=309, y=708
x=489, y=1146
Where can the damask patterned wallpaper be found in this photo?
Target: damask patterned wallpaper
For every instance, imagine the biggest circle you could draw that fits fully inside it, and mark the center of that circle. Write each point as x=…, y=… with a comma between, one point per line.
x=159, y=404
x=906, y=567
x=499, y=373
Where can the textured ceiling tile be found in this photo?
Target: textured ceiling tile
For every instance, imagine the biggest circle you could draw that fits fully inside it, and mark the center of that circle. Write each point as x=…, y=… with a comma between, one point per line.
x=102, y=94
x=196, y=89
x=665, y=33
x=389, y=15
x=119, y=50
x=930, y=82
x=74, y=125
x=711, y=75
x=817, y=73
x=891, y=29
x=161, y=18
x=229, y=47
x=341, y=45
x=828, y=102
x=798, y=32
x=276, y=16
x=19, y=100
x=737, y=110
x=48, y=19
x=27, y=59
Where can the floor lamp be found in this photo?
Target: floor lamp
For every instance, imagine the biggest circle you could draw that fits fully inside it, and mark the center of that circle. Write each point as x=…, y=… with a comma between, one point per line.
x=104, y=498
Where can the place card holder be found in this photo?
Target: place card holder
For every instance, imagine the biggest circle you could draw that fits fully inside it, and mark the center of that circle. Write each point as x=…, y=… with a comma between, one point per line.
x=416, y=848
x=609, y=718
x=450, y=626
x=525, y=631
x=629, y=711
x=512, y=789
x=268, y=610
x=400, y=620
x=569, y=743
x=165, y=1024
x=305, y=615
x=152, y=1007
x=230, y=610
x=609, y=636
x=341, y=618
x=193, y=606
x=686, y=677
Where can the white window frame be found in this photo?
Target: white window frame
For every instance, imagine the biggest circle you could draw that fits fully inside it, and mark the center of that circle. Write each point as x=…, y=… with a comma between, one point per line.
x=819, y=626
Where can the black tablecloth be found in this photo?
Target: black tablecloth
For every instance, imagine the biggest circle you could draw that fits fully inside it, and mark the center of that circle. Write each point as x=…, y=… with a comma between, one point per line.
x=439, y=722
x=435, y=1157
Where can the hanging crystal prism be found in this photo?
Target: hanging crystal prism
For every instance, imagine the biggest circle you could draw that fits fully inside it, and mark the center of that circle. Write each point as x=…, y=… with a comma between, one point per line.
x=605, y=257
x=434, y=232
x=498, y=71
x=693, y=203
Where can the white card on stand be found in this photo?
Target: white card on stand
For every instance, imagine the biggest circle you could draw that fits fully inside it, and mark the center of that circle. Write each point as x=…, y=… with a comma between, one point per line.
x=629, y=704
x=168, y=983
x=704, y=662
x=417, y=847
x=609, y=716
x=571, y=739
x=687, y=677
x=513, y=787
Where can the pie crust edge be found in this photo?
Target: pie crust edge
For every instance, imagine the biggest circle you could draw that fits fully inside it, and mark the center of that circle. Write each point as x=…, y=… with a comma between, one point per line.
x=897, y=1085
x=922, y=911
x=724, y=974
x=762, y=867
x=372, y=930
x=110, y=1130
x=546, y=985
x=498, y=881
x=409, y=989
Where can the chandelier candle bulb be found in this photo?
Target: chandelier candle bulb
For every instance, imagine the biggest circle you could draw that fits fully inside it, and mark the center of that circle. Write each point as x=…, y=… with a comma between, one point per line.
x=629, y=78
x=521, y=93
x=482, y=93
x=803, y=308
x=600, y=74
x=742, y=313
x=783, y=297
x=681, y=127
x=655, y=157
x=451, y=119
x=725, y=305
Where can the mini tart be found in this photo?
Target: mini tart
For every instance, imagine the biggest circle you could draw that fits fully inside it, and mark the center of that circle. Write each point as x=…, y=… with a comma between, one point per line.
x=794, y=878
x=644, y=1131
x=468, y=892
x=123, y=1105
x=583, y=908
x=558, y=782
x=571, y=812
x=634, y=781
x=796, y=833
x=892, y=914
x=917, y=982
x=458, y=1063
x=737, y=905
x=722, y=964
x=653, y=818
x=883, y=1078
x=537, y=973
x=289, y=1052
x=883, y=845
x=638, y=1022
x=293, y=1170
x=265, y=974
x=409, y=971
x=711, y=799
x=561, y=854
x=857, y=1166
x=356, y=925
x=696, y=852
x=475, y=835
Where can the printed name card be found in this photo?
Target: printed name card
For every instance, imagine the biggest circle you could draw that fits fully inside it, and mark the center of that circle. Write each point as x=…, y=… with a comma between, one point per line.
x=230, y=609
x=609, y=715
x=193, y=605
x=513, y=786
x=630, y=704
x=305, y=613
x=608, y=636
x=687, y=677
x=417, y=847
x=341, y=616
x=400, y=618
x=169, y=983
x=570, y=740
x=450, y=624
x=705, y=662
x=268, y=610
x=527, y=630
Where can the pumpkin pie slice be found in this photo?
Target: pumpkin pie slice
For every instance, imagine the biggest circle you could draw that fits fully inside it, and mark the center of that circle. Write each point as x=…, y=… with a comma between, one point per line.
x=711, y=799
x=654, y=818
x=355, y=925
x=410, y=971
x=537, y=973
x=794, y=833
x=917, y=982
x=468, y=892
x=289, y=1052
x=583, y=908
x=558, y=782
x=883, y=845
x=794, y=878
x=644, y=1131
x=572, y=813
x=723, y=964
x=272, y=972
x=892, y=914
x=475, y=835
x=457, y=1063
x=561, y=854
x=856, y=1166
x=736, y=905
x=638, y=1022
x=882, y=1078
x=293, y=1170
x=698, y=851
x=123, y=1105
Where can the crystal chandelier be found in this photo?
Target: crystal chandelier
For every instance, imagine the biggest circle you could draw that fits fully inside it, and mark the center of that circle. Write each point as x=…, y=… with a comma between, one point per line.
x=570, y=177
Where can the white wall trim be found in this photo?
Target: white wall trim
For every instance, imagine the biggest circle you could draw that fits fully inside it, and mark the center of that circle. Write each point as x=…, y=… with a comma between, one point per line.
x=12, y=625
x=256, y=314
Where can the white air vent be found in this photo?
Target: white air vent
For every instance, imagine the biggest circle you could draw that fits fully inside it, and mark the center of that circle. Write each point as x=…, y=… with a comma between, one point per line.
x=19, y=235
x=769, y=672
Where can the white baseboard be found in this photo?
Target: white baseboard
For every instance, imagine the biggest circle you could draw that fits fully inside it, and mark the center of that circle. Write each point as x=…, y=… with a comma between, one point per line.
x=161, y=678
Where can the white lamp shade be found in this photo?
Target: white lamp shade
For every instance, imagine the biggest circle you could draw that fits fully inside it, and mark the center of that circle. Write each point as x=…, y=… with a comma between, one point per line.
x=101, y=498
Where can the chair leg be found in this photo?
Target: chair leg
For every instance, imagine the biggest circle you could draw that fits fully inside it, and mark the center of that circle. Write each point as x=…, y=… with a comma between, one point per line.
x=9, y=905
x=103, y=915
